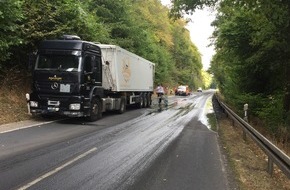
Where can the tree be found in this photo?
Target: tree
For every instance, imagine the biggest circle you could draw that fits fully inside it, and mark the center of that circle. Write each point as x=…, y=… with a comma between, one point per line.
x=252, y=59
x=180, y=7
x=143, y=27
x=10, y=17
x=186, y=56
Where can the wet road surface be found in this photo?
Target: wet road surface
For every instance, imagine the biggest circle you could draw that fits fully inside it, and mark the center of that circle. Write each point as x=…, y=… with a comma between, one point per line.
x=140, y=149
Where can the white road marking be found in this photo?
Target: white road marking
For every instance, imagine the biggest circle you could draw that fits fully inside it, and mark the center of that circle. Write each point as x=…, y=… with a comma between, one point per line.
x=29, y=126
x=57, y=169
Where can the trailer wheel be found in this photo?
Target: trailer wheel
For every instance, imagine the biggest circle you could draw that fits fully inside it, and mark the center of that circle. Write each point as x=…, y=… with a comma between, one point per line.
x=141, y=102
x=122, y=106
x=145, y=100
x=95, y=110
x=148, y=97
x=149, y=100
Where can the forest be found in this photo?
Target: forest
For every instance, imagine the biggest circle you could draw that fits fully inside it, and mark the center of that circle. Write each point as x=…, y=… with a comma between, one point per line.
x=252, y=63
x=252, y=60
x=142, y=27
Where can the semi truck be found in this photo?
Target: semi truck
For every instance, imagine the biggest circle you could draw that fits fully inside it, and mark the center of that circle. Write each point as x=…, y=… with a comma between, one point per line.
x=78, y=78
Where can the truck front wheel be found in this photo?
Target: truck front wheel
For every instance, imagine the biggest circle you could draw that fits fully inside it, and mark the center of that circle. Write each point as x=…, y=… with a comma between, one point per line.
x=95, y=110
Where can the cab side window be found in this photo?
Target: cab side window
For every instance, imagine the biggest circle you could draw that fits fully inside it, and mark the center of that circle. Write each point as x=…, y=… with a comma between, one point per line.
x=93, y=69
x=88, y=64
x=99, y=70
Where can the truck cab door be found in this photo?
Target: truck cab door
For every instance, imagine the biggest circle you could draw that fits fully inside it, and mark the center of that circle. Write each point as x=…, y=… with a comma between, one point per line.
x=93, y=69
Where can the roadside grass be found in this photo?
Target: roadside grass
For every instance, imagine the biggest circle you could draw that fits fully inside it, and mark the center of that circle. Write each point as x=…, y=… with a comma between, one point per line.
x=211, y=117
x=248, y=161
x=13, y=105
x=212, y=121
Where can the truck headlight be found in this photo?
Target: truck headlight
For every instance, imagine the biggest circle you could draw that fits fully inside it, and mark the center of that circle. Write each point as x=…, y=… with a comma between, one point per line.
x=33, y=104
x=75, y=106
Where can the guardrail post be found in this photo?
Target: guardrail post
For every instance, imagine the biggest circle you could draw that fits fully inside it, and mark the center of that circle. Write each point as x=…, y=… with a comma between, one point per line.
x=270, y=165
x=244, y=135
x=27, y=101
x=246, y=106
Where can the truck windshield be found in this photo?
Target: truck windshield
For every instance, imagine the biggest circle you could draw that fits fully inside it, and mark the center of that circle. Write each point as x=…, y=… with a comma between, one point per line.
x=58, y=62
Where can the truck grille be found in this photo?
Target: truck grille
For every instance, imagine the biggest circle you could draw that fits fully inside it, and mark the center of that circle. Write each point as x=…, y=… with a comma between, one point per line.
x=56, y=98
x=55, y=87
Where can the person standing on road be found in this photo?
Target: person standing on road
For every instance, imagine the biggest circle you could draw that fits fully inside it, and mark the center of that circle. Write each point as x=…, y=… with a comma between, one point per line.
x=160, y=92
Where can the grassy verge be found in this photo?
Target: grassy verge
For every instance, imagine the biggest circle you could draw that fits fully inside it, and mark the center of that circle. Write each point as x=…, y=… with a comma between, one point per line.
x=13, y=106
x=248, y=161
x=212, y=121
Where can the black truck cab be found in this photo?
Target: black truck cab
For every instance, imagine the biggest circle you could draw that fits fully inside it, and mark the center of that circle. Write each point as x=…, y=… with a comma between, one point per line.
x=67, y=79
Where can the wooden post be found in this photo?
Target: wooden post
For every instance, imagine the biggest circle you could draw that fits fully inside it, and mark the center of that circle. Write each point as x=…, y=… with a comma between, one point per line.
x=244, y=135
x=270, y=166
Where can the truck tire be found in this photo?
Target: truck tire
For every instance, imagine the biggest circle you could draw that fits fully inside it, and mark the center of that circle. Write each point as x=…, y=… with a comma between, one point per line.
x=140, y=104
x=122, y=106
x=145, y=99
x=149, y=101
x=95, y=110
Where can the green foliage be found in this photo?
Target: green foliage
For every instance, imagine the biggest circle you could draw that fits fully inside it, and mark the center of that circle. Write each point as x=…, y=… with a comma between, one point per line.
x=10, y=16
x=181, y=7
x=207, y=78
x=51, y=19
x=142, y=27
x=271, y=110
x=252, y=62
x=187, y=57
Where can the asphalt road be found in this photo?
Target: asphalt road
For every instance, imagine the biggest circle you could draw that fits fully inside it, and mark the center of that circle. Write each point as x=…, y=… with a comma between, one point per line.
x=140, y=149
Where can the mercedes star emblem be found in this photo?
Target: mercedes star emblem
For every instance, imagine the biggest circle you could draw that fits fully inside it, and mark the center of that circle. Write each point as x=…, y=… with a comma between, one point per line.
x=54, y=86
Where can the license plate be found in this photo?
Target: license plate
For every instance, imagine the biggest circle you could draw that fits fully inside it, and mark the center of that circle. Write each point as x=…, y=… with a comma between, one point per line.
x=53, y=103
x=53, y=109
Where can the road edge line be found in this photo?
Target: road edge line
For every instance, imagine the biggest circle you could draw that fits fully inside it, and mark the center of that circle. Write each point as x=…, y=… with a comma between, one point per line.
x=29, y=126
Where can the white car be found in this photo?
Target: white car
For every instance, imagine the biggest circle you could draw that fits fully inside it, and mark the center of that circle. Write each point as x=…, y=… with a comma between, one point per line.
x=199, y=89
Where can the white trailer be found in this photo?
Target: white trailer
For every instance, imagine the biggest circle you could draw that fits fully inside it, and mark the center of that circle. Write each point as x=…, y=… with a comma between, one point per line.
x=126, y=72
x=126, y=75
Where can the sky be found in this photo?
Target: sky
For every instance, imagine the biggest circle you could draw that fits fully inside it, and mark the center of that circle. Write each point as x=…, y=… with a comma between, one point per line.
x=200, y=32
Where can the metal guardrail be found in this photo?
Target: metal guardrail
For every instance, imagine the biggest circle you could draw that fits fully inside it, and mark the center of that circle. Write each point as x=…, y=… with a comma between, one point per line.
x=275, y=155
